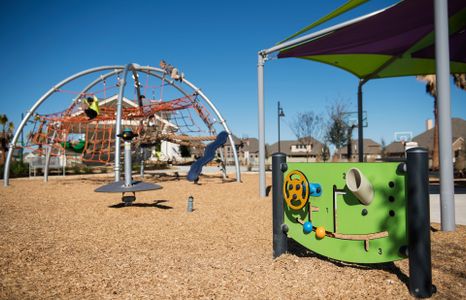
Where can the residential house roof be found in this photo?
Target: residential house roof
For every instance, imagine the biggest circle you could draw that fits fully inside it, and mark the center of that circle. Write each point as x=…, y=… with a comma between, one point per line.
x=426, y=139
x=251, y=145
x=286, y=147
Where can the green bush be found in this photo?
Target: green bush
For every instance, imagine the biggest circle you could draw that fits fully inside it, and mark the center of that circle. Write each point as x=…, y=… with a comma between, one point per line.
x=87, y=170
x=76, y=169
x=17, y=169
x=135, y=167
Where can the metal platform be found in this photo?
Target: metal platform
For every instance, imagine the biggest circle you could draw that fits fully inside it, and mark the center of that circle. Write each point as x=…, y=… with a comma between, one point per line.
x=119, y=187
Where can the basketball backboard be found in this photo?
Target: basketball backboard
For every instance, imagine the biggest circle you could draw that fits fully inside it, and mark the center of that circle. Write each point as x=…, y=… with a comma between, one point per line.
x=403, y=136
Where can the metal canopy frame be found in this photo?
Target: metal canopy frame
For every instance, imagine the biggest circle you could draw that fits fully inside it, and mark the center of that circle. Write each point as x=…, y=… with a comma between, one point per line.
x=444, y=105
x=117, y=69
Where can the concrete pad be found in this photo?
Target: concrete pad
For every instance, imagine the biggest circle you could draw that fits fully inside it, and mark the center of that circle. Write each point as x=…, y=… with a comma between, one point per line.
x=460, y=208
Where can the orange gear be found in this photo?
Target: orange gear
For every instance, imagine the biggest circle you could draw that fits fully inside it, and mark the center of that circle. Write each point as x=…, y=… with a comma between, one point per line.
x=296, y=190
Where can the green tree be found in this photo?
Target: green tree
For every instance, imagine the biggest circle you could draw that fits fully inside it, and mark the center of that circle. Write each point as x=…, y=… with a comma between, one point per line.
x=383, y=145
x=337, y=130
x=3, y=122
x=325, y=152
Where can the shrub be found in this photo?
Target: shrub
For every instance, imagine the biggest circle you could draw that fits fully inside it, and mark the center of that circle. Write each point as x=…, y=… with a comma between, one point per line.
x=87, y=170
x=17, y=169
x=76, y=169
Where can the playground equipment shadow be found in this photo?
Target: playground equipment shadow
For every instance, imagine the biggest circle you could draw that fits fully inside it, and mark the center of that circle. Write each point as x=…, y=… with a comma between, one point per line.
x=156, y=204
x=61, y=240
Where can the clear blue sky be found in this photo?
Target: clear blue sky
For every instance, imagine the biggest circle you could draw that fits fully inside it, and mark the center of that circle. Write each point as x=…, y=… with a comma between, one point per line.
x=215, y=43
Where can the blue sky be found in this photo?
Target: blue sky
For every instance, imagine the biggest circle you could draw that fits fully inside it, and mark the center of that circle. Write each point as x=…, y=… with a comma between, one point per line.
x=215, y=43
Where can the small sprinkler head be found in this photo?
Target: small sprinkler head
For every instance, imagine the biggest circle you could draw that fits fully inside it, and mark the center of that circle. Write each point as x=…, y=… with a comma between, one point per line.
x=190, y=204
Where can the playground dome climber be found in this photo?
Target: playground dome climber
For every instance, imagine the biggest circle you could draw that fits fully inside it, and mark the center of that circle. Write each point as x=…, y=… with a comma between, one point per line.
x=157, y=109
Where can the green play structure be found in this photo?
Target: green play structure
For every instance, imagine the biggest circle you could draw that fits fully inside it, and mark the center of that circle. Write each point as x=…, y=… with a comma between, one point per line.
x=77, y=147
x=354, y=231
x=357, y=212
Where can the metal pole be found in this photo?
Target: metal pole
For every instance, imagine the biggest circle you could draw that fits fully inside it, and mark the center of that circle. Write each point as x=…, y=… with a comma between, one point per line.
x=142, y=162
x=442, y=61
x=34, y=108
x=260, y=99
x=22, y=142
x=128, y=164
x=47, y=157
x=360, y=128
x=419, y=252
x=280, y=244
x=118, y=122
x=278, y=115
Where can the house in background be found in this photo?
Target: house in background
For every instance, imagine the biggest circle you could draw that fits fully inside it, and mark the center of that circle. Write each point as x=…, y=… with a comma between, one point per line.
x=228, y=153
x=297, y=151
x=397, y=150
x=372, y=151
x=249, y=152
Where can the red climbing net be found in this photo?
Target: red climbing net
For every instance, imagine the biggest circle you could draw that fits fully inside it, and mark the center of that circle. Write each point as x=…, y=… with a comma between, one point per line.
x=71, y=131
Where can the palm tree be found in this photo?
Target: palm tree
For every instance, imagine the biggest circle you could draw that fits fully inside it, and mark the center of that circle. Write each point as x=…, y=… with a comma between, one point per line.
x=11, y=128
x=3, y=121
x=460, y=81
x=431, y=88
x=3, y=138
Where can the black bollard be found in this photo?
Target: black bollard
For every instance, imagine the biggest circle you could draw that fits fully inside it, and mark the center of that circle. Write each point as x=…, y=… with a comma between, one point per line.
x=418, y=217
x=280, y=245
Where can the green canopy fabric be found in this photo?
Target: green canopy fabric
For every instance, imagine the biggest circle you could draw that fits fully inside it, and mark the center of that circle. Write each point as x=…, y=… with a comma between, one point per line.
x=340, y=10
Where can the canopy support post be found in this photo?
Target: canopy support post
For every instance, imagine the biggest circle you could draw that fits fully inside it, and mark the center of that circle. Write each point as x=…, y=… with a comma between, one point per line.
x=360, y=127
x=261, y=59
x=442, y=62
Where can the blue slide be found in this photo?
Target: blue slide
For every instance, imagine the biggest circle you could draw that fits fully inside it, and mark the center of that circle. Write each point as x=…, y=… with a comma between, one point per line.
x=209, y=154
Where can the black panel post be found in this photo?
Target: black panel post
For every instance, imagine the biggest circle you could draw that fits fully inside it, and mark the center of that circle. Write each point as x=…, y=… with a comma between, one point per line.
x=280, y=245
x=418, y=217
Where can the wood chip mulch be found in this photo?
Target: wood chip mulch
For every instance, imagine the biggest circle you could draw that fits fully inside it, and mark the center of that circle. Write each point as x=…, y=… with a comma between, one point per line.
x=61, y=240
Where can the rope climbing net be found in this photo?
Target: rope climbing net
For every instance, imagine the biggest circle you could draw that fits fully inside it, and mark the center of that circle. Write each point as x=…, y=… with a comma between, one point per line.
x=184, y=119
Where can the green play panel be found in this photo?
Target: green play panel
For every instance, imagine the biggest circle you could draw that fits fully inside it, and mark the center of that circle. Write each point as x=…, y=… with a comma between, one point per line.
x=354, y=232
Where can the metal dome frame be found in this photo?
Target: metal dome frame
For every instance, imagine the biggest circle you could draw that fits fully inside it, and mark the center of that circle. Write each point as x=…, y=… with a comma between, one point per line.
x=115, y=70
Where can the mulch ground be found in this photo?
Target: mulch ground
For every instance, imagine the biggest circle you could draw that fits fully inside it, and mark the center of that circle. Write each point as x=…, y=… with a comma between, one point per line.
x=61, y=240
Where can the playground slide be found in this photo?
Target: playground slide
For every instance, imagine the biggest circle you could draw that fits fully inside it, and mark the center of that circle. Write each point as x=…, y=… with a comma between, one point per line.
x=209, y=154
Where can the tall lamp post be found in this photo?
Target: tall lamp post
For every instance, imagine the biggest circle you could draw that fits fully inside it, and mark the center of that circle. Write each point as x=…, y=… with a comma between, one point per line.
x=280, y=114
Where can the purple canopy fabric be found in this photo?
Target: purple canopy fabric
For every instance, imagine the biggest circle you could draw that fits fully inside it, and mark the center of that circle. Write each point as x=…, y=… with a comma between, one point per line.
x=396, y=42
x=457, y=48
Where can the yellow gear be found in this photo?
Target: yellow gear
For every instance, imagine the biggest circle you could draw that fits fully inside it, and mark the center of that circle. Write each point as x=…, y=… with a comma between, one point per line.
x=296, y=190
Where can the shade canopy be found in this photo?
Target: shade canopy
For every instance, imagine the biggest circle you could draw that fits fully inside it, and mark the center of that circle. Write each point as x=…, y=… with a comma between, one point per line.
x=398, y=41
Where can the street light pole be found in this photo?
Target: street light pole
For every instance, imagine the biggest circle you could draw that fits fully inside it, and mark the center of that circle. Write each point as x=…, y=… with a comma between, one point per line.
x=280, y=114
